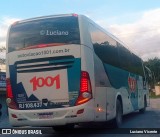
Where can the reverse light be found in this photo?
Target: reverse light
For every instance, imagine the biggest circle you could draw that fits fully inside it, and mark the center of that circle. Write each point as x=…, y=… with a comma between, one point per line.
x=85, y=89
x=10, y=100
x=86, y=95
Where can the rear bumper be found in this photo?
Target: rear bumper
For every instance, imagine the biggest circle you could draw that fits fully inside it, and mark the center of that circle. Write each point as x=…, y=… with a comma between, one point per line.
x=61, y=116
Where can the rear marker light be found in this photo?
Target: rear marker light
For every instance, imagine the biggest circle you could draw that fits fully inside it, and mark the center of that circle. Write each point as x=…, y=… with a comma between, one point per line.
x=75, y=15
x=14, y=116
x=100, y=109
x=80, y=111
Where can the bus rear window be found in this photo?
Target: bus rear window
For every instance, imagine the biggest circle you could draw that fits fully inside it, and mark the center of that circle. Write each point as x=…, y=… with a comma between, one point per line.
x=44, y=31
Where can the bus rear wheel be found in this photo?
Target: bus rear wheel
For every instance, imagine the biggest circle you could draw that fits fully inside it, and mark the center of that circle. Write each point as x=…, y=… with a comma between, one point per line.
x=118, y=119
x=145, y=105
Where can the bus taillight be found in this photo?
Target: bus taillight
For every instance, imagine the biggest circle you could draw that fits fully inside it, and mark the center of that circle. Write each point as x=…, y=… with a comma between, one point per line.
x=85, y=89
x=10, y=100
x=9, y=89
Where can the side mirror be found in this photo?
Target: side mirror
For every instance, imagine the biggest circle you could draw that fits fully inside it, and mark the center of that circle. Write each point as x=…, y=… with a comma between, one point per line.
x=149, y=73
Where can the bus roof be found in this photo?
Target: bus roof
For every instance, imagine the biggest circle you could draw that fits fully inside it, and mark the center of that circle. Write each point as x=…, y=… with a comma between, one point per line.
x=45, y=17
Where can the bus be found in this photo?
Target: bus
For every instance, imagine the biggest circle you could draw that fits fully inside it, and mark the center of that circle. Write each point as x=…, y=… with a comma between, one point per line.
x=64, y=70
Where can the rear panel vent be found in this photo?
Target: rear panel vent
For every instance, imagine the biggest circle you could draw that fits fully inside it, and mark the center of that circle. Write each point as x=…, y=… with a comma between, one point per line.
x=44, y=64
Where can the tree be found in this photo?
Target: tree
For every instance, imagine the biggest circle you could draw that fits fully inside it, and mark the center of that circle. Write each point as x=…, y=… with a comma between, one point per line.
x=2, y=56
x=2, y=49
x=154, y=65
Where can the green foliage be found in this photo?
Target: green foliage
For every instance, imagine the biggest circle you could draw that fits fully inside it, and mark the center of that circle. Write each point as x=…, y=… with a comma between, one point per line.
x=2, y=51
x=154, y=66
x=152, y=95
x=157, y=83
x=2, y=61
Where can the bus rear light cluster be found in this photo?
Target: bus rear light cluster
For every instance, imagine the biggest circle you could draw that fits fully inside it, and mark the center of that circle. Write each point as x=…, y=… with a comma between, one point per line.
x=85, y=89
x=10, y=100
x=9, y=89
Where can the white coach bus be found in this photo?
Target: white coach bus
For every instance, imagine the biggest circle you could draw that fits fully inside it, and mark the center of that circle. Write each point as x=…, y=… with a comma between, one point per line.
x=64, y=70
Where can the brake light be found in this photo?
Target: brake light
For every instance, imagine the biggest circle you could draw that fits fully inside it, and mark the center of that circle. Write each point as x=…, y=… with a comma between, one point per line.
x=85, y=82
x=43, y=46
x=85, y=89
x=9, y=89
x=10, y=101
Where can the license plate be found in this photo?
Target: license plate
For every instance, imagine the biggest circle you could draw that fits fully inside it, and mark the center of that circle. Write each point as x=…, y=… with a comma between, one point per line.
x=45, y=115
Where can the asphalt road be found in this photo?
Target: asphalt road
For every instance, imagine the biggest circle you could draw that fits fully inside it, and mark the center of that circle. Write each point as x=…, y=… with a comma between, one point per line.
x=150, y=119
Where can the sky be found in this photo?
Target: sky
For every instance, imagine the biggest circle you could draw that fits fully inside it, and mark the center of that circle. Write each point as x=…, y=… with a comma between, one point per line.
x=135, y=22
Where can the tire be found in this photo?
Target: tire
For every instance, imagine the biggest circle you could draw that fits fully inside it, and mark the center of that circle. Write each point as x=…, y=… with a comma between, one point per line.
x=145, y=105
x=119, y=114
x=63, y=128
